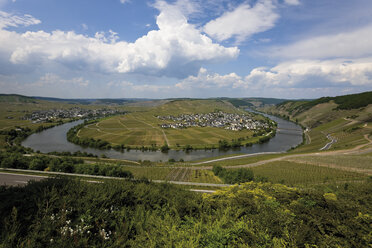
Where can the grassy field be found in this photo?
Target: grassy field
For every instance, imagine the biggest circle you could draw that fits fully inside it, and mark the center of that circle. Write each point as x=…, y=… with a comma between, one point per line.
x=152, y=173
x=173, y=174
x=143, y=128
x=204, y=176
x=293, y=174
x=348, y=162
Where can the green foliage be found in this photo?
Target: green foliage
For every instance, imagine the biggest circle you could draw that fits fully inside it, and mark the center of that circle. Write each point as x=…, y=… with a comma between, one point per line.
x=71, y=213
x=164, y=148
x=240, y=102
x=61, y=164
x=233, y=176
x=353, y=101
x=15, y=136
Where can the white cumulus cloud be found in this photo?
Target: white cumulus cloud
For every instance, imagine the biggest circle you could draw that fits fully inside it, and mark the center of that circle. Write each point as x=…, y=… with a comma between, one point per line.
x=305, y=73
x=290, y=74
x=243, y=21
x=208, y=80
x=176, y=49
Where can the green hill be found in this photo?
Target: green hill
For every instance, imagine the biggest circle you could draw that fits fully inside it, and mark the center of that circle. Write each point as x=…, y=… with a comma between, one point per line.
x=346, y=118
x=346, y=102
x=16, y=98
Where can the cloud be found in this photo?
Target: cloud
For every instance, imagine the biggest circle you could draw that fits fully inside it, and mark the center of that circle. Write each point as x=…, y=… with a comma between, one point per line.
x=11, y=20
x=307, y=73
x=352, y=44
x=206, y=80
x=176, y=49
x=293, y=74
x=124, y=1
x=50, y=79
x=243, y=21
x=292, y=2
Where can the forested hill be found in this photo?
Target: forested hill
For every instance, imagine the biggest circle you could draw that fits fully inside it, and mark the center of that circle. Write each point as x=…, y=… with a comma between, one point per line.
x=357, y=107
x=253, y=101
x=346, y=102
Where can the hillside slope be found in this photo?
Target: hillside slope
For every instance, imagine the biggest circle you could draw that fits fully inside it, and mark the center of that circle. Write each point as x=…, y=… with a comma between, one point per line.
x=344, y=119
x=16, y=98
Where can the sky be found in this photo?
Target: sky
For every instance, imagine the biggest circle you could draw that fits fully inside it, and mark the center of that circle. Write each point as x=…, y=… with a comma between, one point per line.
x=185, y=48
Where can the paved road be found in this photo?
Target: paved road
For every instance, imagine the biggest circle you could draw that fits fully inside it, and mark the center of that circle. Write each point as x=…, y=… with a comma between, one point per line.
x=328, y=145
x=17, y=179
x=21, y=179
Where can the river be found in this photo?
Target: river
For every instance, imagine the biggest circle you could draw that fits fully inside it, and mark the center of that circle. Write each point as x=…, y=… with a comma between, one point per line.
x=54, y=139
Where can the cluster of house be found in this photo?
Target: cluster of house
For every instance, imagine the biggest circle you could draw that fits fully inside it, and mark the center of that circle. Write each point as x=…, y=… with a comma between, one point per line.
x=228, y=121
x=52, y=114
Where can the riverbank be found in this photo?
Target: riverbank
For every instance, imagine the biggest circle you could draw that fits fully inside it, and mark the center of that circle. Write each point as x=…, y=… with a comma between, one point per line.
x=55, y=140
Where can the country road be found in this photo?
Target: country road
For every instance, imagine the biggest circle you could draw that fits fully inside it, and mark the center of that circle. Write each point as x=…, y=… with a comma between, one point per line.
x=235, y=157
x=18, y=179
x=329, y=144
x=9, y=178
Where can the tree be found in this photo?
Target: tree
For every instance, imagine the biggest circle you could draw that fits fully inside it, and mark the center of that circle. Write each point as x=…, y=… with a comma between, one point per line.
x=164, y=148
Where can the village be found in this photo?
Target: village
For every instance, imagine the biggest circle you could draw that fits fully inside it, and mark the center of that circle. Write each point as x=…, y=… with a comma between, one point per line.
x=52, y=114
x=234, y=122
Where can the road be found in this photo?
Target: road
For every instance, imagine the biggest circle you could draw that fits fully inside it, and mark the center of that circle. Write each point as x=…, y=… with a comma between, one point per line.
x=18, y=179
x=22, y=179
x=329, y=144
x=235, y=157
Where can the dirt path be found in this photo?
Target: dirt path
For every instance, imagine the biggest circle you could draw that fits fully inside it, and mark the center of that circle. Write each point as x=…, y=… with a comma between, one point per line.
x=122, y=124
x=351, y=122
x=164, y=135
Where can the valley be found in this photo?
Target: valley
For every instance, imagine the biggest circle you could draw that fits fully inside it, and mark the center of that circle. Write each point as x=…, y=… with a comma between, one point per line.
x=333, y=162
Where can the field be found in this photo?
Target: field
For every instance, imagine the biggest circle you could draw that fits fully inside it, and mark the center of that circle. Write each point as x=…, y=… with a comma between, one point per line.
x=293, y=173
x=142, y=128
x=357, y=163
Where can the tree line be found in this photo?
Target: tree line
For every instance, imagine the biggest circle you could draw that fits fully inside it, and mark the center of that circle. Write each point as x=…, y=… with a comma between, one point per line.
x=60, y=164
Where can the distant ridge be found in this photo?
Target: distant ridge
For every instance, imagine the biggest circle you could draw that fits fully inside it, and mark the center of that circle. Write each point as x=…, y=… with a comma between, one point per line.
x=16, y=98
x=345, y=102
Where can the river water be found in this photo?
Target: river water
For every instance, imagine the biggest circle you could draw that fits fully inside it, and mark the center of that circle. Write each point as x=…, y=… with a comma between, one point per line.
x=54, y=139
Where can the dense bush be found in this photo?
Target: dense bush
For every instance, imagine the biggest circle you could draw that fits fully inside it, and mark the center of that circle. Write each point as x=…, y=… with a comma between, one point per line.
x=72, y=213
x=233, y=176
x=17, y=135
x=60, y=164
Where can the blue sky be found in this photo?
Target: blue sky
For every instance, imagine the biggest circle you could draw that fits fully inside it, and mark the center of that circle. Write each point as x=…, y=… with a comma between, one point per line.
x=185, y=48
